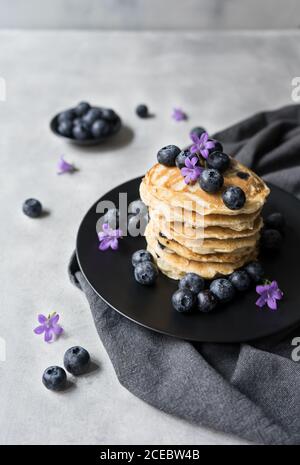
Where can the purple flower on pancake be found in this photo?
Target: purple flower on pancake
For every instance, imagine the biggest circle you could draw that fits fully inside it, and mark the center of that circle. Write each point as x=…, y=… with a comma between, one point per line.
x=201, y=144
x=178, y=114
x=191, y=171
x=269, y=294
x=64, y=167
x=109, y=238
x=49, y=326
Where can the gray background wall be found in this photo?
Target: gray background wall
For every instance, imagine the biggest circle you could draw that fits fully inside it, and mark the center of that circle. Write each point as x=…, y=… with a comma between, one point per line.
x=150, y=14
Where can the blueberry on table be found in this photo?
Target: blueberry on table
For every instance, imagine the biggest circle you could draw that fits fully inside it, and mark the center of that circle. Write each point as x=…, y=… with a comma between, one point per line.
x=141, y=256
x=67, y=115
x=181, y=157
x=270, y=240
x=197, y=131
x=142, y=111
x=183, y=300
x=193, y=282
x=82, y=108
x=218, y=160
x=32, y=208
x=76, y=360
x=81, y=131
x=211, y=180
x=241, y=280
x=65, y=128
x=275, y=221
x=166, y=156
x=234, y=198
x=90, y=117
x=255, y=271
x=108, y=114
x=206, y=301
x=223, y=289
x=100, y=128
x=145, y=273
x=54, y=378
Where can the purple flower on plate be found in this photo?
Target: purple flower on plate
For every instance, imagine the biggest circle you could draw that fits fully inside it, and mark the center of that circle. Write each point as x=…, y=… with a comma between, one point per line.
x=109, y=237
x=178, y=114
x=192, y=171
x=269, y=294
x=49, y=326
x=201, y=144
x=64, y=167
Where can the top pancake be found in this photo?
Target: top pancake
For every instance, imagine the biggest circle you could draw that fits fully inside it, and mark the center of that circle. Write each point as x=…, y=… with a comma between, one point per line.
x=167, y=185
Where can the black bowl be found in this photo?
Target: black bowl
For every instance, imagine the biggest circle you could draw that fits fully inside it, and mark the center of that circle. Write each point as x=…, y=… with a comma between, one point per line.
x=115, y=128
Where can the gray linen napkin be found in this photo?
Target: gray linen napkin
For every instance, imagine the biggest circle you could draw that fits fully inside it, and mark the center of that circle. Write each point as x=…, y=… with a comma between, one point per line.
x=252, y=391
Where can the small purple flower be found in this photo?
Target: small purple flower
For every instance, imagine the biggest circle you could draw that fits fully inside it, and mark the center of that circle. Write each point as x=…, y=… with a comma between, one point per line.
x=49, y=326
x=192, y=171
x=64, y=167
x=201, y=144
x=109, y=237
x=269, y=294
x=178, y=114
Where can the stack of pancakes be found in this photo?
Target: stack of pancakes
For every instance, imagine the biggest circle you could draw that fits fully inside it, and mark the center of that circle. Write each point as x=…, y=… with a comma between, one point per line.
x=191, y=230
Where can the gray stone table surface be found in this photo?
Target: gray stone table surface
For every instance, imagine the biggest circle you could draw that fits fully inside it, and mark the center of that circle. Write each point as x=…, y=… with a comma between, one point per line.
x=217, y=78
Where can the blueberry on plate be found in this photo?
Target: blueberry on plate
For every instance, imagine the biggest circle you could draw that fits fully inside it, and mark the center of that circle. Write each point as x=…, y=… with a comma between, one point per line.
x=255, y=271
x=234, y=198
x=90, y=117
x=145, y=273
x=183, y=300
x=32, y=208
x=181, y=157
x=241, y=280
x=100, y=128
x=218, y=147
x=271, y=239
x=65, y=128
x=142, y=111
x=197, y=131
x=218, y=160
x=166, y=156
x=223, y=289
x=275, y=221
x=211, y=180
x=206, y=301
x=141, y=256
x=54, y=378
x=193, y=282
x=67, y=115
x=82, y=108
x=108, y=114
x=81, y=131
x=76, y=360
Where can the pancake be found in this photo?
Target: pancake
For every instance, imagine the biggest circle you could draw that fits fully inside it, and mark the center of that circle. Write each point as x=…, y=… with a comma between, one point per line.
x=167, y=184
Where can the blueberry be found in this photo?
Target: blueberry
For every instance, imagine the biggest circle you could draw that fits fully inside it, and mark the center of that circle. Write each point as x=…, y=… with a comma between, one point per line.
x=141, y=256
x=142, y=111
x=67, y=115
x=181, y=157
x=100, y=128
x=65, y=128
x=80, y=131
x=108, y=114
x=32, y=208
x=76, y=360
x=219, y=161
x=111, y=217
x=241, y=280
x=218, y=147
x=82, y=108
x=275, y=221
x=166, y=156
x=90, y=117
x=234, y=198
x=223, y=289
x=197, y=131
x=255, y=271
x=77, y=120
x=193, y=282
x=54, y=378
x=271, y=239
x=211, y=180
x=183, y=300
x=145, y=273
x=206, y=301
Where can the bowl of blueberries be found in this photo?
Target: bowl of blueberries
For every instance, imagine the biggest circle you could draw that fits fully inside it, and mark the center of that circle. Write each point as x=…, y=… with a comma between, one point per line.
x=85, y=124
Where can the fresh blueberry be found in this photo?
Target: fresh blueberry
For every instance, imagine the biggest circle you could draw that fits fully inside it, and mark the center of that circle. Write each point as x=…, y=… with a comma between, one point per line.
x=197, y=131
x=255, y=271
x=81, y=131
x=166, y=156
x=218, y=147
x=241, y=280
x=219, y=161
x=275, y=221
x=91, y=116
x=223, y=289
x=67, y=115
x=82, y=108
x=77, y=120
x=54, y=378
x=76, y=360
x=108, y=114
x=111, y=217
x=183, y=300
x=193, y=282
x=181, y=157
x=142, y=111
x=206, y=301
x=100, y=128
x=141, y=256
x=145, y=273
x=234, y=197
x=32, y=208
x=65, y=128
x=271, y=239
x=211, y=180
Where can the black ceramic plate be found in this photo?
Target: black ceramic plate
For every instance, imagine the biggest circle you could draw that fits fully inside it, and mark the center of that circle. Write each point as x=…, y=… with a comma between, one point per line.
x=110, y=274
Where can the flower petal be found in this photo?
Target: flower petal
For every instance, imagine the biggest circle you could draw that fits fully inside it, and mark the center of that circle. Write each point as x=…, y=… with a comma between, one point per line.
x=194, y=149
x=204, y=153
x=105, y=244
x=48, y=335
x=261, y=301
x=57, y=329
x=42, y=318
x=54, y=319
x=277, y=294
x=39, y=329
x=210, y=144
x=261, y=289
x=272, y=303
x=114, y=244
